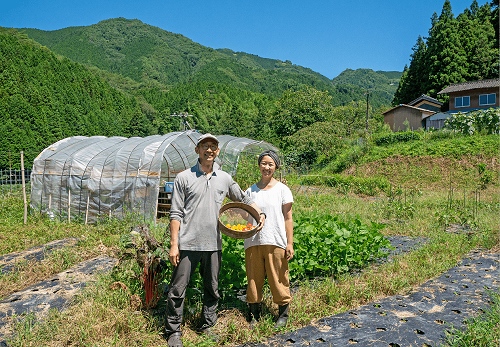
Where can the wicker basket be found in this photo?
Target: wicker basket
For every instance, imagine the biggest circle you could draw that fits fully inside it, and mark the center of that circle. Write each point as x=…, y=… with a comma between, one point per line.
x=233, y=210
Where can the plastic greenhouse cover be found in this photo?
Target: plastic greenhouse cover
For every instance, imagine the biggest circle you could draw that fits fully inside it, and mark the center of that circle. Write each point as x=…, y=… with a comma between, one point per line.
x=87, y=178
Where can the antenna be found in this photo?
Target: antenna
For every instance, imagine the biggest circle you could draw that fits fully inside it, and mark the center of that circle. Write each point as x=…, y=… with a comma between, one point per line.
x=184, y=123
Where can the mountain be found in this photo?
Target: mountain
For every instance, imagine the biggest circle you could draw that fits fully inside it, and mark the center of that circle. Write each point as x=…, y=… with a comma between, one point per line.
x=44, y=98
x=156, y=58
x=385, y=83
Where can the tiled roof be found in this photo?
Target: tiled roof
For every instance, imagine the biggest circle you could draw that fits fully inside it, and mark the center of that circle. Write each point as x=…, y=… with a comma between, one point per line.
x=427, y=98
x=416, y=108
x=458, y=87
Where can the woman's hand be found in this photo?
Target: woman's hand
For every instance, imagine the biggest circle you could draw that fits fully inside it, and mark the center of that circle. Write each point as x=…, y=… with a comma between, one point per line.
x=289, y=252
x=287, y=214
x=261, y=222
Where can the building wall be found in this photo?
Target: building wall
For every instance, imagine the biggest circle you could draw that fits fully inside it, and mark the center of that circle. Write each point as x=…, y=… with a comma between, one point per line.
x=474, y=98
x=389, y=119
x=436, y=124
x=398, y=116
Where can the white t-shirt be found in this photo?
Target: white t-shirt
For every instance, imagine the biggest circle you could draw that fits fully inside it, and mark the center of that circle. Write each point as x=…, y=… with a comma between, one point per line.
x=270, y=201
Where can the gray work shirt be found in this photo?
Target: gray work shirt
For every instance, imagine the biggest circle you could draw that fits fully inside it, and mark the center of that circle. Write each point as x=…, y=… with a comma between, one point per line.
x=196, y=201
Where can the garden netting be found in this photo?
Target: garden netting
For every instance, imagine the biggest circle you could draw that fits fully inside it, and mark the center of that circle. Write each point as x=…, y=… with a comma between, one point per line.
x=87, y=178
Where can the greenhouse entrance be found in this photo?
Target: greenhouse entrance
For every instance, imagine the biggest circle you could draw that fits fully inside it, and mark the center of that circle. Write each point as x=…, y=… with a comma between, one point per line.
x=89, y=178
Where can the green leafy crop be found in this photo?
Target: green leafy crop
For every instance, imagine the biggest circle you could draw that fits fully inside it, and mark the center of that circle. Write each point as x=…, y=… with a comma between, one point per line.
x=324, y=245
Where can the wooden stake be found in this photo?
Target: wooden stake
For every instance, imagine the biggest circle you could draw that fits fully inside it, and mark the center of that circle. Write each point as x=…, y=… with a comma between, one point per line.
x=50, y=201
x=24, y=190
x=87, y=209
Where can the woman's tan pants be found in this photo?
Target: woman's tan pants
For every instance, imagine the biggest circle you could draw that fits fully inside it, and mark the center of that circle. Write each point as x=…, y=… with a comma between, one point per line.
x=270, y=260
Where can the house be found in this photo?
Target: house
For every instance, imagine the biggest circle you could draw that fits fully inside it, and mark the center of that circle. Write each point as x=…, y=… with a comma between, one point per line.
x=473, y=95
x=415, y=112
x=436, y=120
x=425, y=101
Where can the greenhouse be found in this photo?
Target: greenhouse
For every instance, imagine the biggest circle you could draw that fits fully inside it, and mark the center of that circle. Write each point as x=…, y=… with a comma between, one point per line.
x=87, y=178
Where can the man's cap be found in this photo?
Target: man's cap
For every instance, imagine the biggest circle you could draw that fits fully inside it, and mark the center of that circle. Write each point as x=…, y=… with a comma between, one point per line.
x=205, y=137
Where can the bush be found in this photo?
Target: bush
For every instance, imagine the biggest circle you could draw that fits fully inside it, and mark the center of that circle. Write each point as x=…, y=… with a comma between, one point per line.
x=320, y=141
x=406, y=136
x=440, y=134
x=349, y=156
x=479, y=121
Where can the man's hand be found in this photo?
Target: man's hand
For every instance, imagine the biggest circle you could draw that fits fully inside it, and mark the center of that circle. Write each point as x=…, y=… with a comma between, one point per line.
x=174, y=254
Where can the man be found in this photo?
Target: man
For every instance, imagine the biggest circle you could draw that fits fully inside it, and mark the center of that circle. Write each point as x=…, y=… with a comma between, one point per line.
x=194, y=235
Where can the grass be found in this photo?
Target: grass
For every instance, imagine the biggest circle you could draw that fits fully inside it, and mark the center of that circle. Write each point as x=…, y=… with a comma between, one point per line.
x=481, y=331
x=108, y=317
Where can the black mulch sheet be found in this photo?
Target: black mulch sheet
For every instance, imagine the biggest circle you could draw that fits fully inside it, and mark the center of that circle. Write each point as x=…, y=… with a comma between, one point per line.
x=8, y=262
x=418, y=319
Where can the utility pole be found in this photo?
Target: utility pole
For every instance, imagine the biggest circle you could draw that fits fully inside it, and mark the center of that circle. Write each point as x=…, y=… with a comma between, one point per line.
x=184, y=123
x=367, y=108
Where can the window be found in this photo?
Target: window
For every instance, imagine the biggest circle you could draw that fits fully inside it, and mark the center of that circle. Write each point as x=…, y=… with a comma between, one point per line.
x=487, y=99
x=463, y=101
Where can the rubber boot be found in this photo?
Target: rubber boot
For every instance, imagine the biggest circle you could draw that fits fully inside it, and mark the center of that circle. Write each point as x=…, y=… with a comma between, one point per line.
x=283, y=316
x=254, y=313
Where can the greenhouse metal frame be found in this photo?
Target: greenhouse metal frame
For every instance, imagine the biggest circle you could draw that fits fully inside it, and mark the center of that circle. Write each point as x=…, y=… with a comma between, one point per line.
x=87, y=178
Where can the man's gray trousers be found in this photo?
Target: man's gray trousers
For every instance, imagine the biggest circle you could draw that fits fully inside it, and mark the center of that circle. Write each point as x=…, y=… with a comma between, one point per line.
x=210, y=264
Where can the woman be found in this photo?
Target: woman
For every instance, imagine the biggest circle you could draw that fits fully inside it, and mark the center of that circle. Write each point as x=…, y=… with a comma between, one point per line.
x=268, y=252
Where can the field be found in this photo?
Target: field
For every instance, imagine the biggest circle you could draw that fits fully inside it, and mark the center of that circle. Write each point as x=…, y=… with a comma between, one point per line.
x=431, y=190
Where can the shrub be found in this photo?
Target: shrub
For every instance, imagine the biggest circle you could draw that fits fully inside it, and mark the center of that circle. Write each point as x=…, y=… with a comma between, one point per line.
x=406, y=136
x=440, y=134
x=349, y=156
x=321, y=140
x=479, y=121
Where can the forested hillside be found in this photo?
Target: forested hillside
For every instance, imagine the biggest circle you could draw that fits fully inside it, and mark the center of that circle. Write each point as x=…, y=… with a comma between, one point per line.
x=44, y=98
x=158, y=58
x=384, y=83
x=122, y=77
x=458, y=49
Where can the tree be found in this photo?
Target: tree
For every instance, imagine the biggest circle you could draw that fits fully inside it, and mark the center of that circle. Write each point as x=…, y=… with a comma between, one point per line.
x=351, y=117
x=415, y=78
x=447, y=60
x=478, y=40
x=494, y=19
x=457, y=50
x=320, y=141
x=298, y=109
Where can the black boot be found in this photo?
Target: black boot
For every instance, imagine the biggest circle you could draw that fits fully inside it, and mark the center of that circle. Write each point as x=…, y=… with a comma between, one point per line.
x=254, y=313
x=283, y=316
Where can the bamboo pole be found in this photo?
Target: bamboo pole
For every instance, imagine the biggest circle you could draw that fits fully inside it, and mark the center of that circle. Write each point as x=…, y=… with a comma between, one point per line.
x=87, y=209
x=24, y=190
x=69, y=205
x=10, y=172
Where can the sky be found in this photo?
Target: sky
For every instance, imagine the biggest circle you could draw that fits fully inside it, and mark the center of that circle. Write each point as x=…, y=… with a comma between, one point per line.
x=327, y=36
